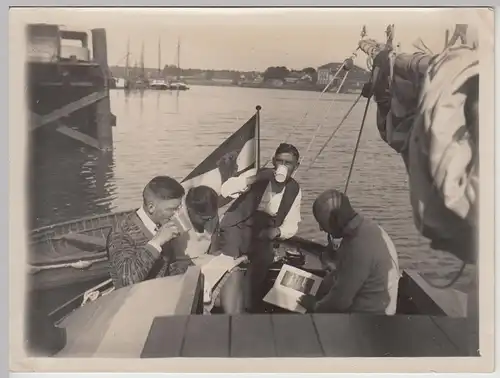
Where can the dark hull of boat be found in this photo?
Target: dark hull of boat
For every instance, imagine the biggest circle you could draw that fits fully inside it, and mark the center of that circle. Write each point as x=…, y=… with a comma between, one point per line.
x=56, y=250
x=175, y=88
x=159, y=87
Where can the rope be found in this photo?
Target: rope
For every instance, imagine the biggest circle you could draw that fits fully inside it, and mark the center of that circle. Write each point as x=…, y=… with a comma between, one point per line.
x=320, y=125
x=453, y=280
x=80, y=265
x=352, y=56
x=334, y=132
x=357, y=144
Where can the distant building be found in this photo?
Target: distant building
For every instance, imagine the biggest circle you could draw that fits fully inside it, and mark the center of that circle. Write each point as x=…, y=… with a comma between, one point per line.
x=355, y=80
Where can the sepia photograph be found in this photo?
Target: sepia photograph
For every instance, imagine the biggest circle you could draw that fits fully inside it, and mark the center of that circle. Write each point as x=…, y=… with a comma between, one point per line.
x=177, y=161
x=297, y=282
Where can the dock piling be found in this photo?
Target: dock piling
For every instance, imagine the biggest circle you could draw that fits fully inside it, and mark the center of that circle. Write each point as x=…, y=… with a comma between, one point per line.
x=103, y=107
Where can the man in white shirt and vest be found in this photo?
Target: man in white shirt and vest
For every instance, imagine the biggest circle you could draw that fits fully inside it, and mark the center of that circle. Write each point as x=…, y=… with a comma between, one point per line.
x=267, y=210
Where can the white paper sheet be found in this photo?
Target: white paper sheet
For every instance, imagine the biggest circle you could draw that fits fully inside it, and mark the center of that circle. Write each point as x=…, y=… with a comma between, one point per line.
x=290, y=285
x=214, y=270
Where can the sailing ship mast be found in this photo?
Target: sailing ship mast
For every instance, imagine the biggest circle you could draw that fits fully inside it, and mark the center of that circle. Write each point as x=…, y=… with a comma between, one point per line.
x=159, y=57
x=142, y=62
x=127, y=62
x=178, y=58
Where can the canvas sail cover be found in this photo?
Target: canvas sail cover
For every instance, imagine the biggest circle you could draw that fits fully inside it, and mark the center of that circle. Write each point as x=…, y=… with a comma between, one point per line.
x=427, y=112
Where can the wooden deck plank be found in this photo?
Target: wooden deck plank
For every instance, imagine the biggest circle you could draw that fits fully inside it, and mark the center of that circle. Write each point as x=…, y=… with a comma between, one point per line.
x=336, y=335
x=295, y=336
x=400, y=336
x=165, y=337
x=252, y=336
x=207, y=336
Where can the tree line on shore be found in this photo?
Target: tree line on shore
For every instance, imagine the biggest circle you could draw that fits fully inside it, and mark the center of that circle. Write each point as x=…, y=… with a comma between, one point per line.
x=271, y=74
x=278, y=72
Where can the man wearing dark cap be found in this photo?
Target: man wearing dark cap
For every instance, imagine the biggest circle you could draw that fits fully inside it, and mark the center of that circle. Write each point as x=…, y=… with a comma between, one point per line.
x=267, y=209
x=367, y=271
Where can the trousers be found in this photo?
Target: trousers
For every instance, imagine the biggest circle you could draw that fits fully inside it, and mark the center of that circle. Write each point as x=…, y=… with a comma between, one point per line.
x=244, y=290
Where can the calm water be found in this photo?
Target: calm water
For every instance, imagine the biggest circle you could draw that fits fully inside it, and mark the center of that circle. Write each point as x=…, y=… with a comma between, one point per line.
x=170, y=133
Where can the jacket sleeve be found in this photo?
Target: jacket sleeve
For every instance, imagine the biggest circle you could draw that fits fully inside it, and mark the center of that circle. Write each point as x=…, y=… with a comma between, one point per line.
x=129, y=262
x=349, y=279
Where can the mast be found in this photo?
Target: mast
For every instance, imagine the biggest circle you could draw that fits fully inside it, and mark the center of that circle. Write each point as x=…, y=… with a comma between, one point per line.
x=127, y=62
x=178, y=58
x=159, y=57
x=135, y=69
x=142, y=61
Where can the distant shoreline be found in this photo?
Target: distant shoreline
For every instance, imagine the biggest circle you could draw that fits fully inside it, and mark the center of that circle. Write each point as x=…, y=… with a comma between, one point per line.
x=294, y=87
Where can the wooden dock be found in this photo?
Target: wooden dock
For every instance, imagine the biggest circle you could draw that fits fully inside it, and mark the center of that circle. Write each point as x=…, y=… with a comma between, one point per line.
x=69, y=94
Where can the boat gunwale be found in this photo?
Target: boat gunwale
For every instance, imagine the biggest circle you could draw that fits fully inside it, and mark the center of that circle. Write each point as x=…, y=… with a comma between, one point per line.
x=51, y=227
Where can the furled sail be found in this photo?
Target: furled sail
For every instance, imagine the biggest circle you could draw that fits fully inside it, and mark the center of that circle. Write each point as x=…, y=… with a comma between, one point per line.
x=427, y=112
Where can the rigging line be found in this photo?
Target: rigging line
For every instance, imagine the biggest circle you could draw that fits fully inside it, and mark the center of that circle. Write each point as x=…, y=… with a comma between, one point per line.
x=453, y=280
x=320, y=125
x=337, y=73
x=353, y=55
x=334, y=132
x=357, y=145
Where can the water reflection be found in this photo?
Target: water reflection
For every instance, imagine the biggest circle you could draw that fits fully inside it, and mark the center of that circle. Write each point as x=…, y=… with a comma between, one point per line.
x=141, y=93
x=68, y=180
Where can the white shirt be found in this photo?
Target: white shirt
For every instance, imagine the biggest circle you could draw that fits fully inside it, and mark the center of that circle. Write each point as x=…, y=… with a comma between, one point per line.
x=269, y=204
x=144, y=217
x=195, y=245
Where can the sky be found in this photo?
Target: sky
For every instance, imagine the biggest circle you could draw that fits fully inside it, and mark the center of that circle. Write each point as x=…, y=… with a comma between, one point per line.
x=250, y=39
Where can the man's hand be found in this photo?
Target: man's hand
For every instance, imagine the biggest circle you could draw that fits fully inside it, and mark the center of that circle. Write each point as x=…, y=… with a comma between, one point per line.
x=270, y=233
x=308, y=302
x=166, y=233
x=263, y=174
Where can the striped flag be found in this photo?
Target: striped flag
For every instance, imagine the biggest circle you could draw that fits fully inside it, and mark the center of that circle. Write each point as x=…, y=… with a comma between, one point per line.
x=237, y=154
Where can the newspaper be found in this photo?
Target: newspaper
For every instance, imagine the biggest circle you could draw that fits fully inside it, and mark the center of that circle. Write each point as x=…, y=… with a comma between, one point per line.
x=214, y=270
x=290, y=285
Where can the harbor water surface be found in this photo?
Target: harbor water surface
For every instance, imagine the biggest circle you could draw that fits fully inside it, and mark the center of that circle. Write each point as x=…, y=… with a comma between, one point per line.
x=169, y=133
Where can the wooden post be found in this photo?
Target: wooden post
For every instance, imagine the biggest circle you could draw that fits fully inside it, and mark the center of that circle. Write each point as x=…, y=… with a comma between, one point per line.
x=103, y=107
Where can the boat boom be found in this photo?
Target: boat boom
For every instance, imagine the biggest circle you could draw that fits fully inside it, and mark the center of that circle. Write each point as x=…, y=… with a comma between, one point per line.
x=408, y=66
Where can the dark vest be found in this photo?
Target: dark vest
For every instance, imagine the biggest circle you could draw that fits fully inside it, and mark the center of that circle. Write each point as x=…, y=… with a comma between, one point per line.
x=242, y=220
x=247, y=204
